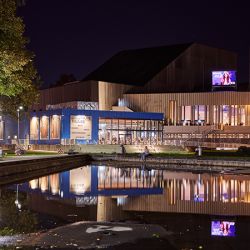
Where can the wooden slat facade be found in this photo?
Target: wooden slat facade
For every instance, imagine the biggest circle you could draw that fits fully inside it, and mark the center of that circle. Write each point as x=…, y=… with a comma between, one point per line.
x=109, y=93
x=161, y=102
x=191, y=71
x=76, y=91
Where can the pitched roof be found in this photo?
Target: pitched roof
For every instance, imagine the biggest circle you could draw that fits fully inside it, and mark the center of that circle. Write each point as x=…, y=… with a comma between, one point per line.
x=137, y=67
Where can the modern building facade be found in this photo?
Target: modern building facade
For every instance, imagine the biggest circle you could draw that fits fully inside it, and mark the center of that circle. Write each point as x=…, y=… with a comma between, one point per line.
x=174, y=81
x=72, y=126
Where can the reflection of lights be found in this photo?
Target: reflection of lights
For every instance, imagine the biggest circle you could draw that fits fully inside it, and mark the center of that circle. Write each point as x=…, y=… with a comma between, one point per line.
x=121, y=200
x=33, y=184
x=102, y=168
x=61, y=194
x=17, y=202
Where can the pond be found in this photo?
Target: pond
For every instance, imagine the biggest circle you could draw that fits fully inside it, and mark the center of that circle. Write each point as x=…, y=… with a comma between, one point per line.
x=208, y=210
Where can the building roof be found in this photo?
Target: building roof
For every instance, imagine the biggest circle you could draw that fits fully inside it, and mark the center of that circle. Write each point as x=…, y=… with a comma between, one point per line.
x=138, y=66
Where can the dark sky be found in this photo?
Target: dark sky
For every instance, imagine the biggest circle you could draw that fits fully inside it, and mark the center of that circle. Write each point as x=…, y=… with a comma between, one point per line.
x=76, y=36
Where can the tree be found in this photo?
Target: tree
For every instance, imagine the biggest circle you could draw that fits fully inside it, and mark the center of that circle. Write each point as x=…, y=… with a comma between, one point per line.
x=17, y=72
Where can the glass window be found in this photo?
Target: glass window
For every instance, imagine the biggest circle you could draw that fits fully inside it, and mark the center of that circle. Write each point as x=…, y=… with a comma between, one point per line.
x=34, y=128
x=234, y=115
x=187, y=113
x=242, y=115
x=225, y=114
x=55, y=127
x=44, y=128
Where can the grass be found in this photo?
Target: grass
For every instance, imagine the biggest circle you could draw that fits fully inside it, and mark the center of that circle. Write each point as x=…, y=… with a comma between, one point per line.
x=32, y=153
x=206, y=154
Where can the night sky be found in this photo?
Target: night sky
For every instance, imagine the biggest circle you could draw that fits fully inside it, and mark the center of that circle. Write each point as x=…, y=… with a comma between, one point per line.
x=76, y=36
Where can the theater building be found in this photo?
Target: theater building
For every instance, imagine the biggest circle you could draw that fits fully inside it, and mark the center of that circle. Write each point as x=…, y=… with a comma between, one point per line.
x=176, y=82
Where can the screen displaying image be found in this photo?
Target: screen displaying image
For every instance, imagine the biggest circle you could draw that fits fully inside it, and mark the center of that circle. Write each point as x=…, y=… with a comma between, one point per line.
x=224, y=78
x=223, y=228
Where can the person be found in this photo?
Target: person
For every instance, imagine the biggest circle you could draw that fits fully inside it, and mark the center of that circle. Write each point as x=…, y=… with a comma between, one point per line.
x=226, y=78
x=123, y=150
x=145, y=153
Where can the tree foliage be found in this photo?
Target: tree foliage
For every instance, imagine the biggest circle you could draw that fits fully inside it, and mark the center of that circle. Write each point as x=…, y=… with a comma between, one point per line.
x=17, y=72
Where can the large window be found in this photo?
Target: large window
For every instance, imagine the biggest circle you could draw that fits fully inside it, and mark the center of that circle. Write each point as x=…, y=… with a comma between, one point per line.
x=200, y=112
x=127, y=131
x=34, y=128
x=234, y=114
x=186, y=113
x=225, y=114
x=55, y=127
x=44, y=128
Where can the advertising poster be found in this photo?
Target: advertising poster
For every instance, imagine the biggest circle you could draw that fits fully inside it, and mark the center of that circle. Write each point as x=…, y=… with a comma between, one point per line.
x=80, y=127
x=55, y=127
x=224, y=78
x=34, y=128
x=44, y=128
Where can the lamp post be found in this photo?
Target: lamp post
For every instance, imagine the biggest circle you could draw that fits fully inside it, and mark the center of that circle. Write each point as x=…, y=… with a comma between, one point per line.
x=18, y=122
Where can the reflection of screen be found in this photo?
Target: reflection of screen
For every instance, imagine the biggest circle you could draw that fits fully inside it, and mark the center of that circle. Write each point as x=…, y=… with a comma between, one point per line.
x=223, y=228
x=224, y=78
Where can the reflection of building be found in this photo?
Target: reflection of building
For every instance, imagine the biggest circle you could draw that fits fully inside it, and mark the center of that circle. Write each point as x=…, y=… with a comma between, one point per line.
x=197, y=193
x=85, y=182
x=135, y=189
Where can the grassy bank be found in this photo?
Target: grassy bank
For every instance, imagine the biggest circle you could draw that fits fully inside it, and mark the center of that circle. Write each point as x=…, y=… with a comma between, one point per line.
x=31, y=153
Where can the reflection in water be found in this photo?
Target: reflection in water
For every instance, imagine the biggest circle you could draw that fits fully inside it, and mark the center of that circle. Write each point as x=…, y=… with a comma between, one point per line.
x=140, y=189
x=80, y=180
x=106, y=193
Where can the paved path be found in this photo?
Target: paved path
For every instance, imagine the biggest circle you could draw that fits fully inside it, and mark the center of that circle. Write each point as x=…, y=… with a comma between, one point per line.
x=27, y=157
x=93, y=234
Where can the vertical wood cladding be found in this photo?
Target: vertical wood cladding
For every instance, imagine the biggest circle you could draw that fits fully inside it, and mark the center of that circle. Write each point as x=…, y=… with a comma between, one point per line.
x=161, y=102
x=191, y=71
x=76, y=91
x=109, y=93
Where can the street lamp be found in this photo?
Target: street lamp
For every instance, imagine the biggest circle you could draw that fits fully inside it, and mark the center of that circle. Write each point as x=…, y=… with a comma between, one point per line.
x=18, y=122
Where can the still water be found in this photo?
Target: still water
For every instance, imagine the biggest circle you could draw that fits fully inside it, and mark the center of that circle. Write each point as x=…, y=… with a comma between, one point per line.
x=199, y=210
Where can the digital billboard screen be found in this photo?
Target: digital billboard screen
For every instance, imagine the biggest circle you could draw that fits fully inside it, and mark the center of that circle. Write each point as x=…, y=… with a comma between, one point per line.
x=223, y=228
x=224, y=78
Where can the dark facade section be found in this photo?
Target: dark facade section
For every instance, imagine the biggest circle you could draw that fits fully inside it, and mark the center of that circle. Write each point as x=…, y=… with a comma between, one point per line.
x=191, y=71
x=137, y=67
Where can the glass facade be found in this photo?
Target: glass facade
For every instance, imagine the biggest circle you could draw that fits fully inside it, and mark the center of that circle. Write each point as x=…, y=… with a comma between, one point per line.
x=127, y=131
x=233, y=115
